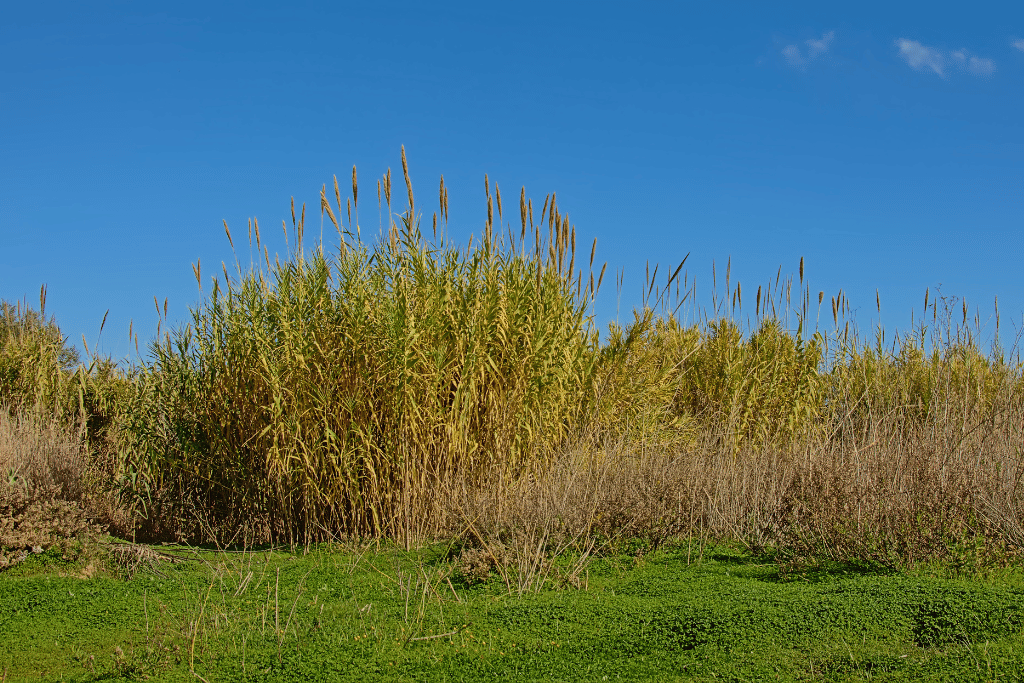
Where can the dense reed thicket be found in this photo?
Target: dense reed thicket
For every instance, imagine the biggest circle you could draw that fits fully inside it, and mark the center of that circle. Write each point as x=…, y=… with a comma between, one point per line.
x=338, y=394
x=410, y=389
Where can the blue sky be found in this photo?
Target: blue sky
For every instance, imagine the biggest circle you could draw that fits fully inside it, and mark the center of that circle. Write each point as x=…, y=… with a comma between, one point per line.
x=881, y=142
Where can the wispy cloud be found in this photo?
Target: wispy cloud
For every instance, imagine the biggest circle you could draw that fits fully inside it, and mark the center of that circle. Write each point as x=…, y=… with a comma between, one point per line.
x=815, y=48
x=920, y=57
x=1019, y=44
x=923, y=58
x=820, y=47
x=982, y=67
x=976, y=65
x=792, y=55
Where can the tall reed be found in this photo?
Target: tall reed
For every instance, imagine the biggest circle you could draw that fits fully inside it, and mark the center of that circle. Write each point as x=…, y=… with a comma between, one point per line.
x=331, y=394
x=36, y=361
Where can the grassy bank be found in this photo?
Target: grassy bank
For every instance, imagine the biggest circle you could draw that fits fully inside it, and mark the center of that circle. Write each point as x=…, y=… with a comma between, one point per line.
x=685, y=612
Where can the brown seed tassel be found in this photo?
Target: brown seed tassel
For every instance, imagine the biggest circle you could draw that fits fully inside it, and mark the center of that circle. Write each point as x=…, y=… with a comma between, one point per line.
x=522, y=211
x=337, y=195
x=325, y=206
x=408, y=183
x=355, y=188
x=440, y=196
x=572, y=252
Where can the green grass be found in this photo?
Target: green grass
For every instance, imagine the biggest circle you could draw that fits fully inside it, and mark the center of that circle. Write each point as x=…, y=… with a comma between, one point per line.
x=345, y=615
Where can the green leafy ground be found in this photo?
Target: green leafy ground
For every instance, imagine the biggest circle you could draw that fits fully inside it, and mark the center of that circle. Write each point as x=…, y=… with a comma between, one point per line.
x=342, y=615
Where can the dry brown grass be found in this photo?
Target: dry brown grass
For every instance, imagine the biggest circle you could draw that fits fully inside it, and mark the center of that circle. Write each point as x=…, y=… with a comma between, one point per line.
x=40, y=454
x=50, y=490
x=897, y=497
x=42, y=490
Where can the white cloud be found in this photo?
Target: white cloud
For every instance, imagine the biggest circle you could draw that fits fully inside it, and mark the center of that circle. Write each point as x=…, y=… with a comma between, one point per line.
x=818, y=47
x=923, y=58
x=792, y=55
x=1019, y=44
x=815, y=48
x=978, y=66
x=920, y=57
